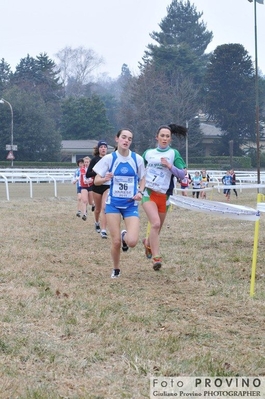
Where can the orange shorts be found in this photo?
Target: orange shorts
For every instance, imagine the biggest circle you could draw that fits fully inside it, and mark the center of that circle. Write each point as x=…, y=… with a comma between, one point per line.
x=158, y=198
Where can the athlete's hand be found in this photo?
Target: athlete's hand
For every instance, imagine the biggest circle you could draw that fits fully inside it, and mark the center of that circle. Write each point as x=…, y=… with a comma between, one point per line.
x=165, y=162
x=108, y=176
x=138, y=197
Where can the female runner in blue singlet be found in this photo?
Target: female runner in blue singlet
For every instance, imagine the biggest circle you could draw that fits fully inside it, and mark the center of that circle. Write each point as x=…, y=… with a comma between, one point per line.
x=125, y=170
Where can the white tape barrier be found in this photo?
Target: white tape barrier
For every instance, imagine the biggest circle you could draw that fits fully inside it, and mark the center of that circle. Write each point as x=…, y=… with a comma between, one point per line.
x=239, y=186
x=190, y=190
x=261, y=206
x=216, y=208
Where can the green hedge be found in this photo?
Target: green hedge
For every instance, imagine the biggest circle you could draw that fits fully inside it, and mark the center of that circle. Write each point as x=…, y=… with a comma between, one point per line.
x=220, y=163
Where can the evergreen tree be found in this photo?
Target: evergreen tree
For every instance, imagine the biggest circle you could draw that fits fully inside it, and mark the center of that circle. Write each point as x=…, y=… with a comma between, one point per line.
x=169, y=86
x=48, y=80
x=34, y=129
x=39, y=74
x=182, y=25
x=182, y=41
x=230, y=96
x=5, y=74
x=84, y=118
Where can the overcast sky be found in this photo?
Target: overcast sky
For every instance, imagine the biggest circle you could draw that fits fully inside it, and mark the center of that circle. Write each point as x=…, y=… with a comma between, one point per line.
x=117, y=30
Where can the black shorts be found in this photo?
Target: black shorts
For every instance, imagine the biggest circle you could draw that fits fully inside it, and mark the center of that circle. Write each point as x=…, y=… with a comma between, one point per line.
x=100, y=189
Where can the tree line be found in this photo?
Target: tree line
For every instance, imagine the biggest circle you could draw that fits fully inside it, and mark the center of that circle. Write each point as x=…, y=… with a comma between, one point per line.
x=177, y=81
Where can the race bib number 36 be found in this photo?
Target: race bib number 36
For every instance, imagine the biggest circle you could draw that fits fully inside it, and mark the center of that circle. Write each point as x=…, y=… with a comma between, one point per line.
x=123, y=186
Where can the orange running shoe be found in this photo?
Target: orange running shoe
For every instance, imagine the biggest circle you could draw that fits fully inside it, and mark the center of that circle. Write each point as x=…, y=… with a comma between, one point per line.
x=148, y=252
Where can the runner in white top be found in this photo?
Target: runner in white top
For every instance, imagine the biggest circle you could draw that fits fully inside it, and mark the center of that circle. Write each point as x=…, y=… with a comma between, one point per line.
x=162, y=164
x=125, y=170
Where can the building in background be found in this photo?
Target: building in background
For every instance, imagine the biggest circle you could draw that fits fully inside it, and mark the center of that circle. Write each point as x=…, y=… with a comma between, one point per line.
x=75, y=149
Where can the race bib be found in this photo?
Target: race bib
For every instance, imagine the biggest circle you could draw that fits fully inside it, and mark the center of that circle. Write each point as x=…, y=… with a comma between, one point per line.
x=123, y=186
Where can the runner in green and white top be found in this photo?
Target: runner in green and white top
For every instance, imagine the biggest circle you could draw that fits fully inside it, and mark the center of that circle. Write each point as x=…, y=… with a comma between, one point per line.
x=162, y=164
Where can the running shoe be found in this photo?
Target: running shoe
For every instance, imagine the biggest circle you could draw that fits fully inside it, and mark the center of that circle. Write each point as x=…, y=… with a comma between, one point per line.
x=84, y=217
x=115, y=273
x=78, y=214
x=148, y=252
x=124, y=246
x=104, y=234
x=157, y=263
x=97, y=227
x=92, y=208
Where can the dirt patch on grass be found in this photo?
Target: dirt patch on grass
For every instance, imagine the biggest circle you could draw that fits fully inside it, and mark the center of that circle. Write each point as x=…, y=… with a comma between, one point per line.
x=69, y=331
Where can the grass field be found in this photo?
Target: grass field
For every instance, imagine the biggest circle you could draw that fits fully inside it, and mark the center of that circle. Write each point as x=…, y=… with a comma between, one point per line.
x=69, y=331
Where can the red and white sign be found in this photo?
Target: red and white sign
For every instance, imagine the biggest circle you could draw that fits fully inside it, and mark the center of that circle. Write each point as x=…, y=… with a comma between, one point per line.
x=10, y=155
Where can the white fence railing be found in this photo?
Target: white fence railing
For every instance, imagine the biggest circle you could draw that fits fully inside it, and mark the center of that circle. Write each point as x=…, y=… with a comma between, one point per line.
x=54, y=176
x=35, y=176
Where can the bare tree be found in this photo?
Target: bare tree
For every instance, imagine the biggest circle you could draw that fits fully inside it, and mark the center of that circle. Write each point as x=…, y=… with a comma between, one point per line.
x=76, y=67
x=151, y=100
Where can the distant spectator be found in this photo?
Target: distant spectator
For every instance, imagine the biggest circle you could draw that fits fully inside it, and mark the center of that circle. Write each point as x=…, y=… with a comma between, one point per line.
x=185, y=182
x=204, y=183
x=232, y=172
x=227, y=181
x=196, y=184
